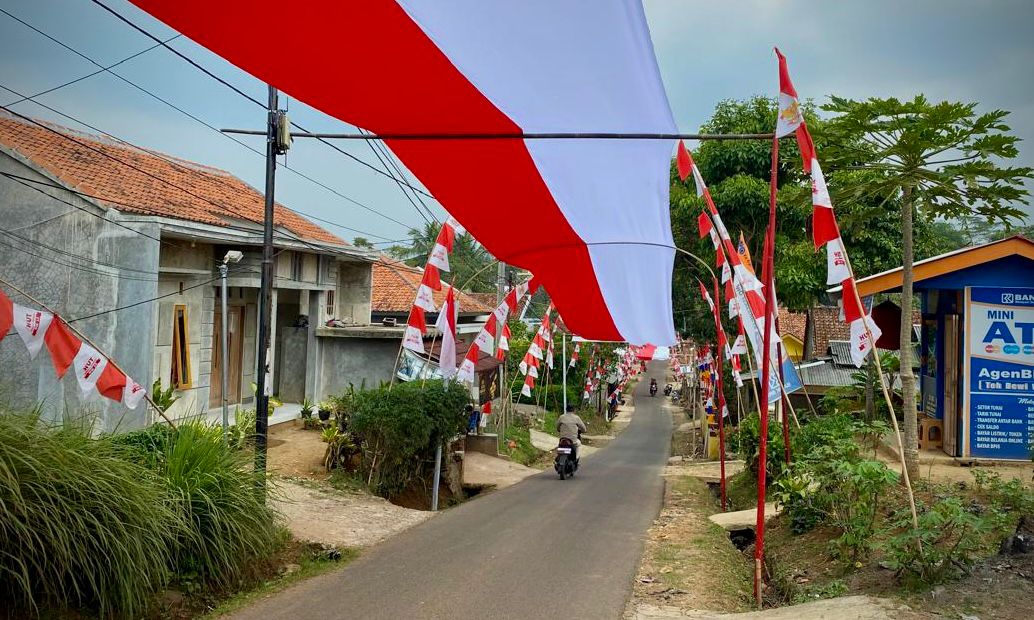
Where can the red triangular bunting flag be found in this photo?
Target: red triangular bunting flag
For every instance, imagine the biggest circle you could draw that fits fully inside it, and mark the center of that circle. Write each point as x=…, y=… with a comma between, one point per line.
x=62, y=344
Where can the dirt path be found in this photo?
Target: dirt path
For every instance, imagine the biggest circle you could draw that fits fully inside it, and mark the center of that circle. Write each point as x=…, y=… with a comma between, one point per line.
x=343, y=519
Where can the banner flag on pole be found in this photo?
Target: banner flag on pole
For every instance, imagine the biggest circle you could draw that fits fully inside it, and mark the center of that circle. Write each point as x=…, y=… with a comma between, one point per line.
x=446, y=324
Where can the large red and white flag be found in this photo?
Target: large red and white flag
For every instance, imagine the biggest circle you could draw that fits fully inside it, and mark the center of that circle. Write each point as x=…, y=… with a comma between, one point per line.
x=446, y=324
x=603, y=245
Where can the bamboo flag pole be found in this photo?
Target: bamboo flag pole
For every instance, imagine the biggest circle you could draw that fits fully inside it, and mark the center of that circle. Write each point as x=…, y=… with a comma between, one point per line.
x=890, y=404
x=766, y=368
x=720, y=385
x=86, y=339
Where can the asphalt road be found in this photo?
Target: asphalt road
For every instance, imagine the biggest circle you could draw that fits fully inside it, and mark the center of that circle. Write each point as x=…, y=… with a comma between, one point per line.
x=543, y=548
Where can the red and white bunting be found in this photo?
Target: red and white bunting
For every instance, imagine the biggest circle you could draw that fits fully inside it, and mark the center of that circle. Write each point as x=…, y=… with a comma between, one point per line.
x=790, y=118
x=574, y=355
x=88, y=364
x=446, y=324
x=483, y=341
x=93, y=370
x=439, y=256
x=825, y=230
x=504, y=343
x=529, y=383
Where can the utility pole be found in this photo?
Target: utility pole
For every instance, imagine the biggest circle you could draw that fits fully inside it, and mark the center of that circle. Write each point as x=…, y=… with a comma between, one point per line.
x=266, y=291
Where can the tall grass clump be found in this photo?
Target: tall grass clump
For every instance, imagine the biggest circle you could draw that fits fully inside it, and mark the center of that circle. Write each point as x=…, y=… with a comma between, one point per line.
x=218, y=493
x=80, y=525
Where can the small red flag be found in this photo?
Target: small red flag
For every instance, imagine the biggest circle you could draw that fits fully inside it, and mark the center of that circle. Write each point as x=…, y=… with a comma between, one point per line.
x=62, y=344
x=112, y=383
x=705, y=225
x=6, y=314
x=683, y=161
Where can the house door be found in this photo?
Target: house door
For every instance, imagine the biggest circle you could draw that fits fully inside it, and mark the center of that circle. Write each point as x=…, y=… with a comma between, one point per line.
x=950, y=424
x=235, y=341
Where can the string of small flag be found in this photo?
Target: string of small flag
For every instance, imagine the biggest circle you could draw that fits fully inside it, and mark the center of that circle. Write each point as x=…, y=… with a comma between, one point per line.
x=94, y=372
x=540, y=348
x=824, y=228
x=431, y=281
x=486, y=337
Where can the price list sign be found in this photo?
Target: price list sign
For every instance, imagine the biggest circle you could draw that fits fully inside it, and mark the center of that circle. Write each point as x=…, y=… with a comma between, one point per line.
x=999, y=387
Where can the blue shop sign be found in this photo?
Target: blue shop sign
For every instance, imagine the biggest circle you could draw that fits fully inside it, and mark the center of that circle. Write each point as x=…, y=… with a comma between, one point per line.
x=1000, y=372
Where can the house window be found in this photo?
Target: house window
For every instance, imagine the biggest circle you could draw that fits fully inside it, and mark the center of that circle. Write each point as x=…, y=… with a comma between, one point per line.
x=297, y=265
x=180, y=376
x=331, y=308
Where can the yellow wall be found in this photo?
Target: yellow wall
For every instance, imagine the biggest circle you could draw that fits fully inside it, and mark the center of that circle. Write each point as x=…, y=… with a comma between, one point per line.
x=794, y=348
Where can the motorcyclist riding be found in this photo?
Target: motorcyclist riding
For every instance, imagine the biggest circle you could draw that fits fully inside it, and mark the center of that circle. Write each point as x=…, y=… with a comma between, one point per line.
x=570, y=426
x=653, y=387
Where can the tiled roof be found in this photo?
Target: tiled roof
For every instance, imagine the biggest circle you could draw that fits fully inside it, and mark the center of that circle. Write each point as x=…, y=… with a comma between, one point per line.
x=792, y=323
x=828, y=326
x=395, y=284
x=125, y=177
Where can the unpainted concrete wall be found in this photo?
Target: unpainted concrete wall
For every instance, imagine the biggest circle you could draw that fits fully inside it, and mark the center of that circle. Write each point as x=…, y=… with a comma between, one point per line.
x=79, y=262
x=355, y=360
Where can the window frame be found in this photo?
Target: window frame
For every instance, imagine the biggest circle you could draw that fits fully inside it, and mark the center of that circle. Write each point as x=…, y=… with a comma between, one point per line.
x=330, y=304
x=180, y=367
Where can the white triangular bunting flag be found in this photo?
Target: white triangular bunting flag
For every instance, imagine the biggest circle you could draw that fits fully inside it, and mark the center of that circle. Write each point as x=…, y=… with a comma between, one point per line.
x=439, y=257
x=413, y=339
x=466, y=372
x=133, y=393
x=860, y=342
x=31, y=325
x=425, y=298
x=88, y=364
x=836, y=262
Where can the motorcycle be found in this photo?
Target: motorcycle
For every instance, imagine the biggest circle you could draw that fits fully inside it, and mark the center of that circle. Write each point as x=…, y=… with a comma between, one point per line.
x=565, y=463
x=667, y=389
x=653, y=389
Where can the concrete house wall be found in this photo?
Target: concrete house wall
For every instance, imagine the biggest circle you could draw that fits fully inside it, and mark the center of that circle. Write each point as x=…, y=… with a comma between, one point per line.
x=58, y=262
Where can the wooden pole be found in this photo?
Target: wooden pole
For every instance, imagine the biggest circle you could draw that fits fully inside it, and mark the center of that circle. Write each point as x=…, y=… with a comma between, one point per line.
x=766, y=368
x=720, y=384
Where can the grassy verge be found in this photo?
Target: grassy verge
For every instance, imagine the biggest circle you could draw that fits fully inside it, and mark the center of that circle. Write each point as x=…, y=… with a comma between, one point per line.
x=307, y=565
x=679, y=548
x=523, y=451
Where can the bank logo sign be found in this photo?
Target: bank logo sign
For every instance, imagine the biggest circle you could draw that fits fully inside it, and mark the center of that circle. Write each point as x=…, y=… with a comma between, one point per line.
x=1000, y=372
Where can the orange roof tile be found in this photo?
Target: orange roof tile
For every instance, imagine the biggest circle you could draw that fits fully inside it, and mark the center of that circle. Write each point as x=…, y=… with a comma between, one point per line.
x=125, y=176
x=792, y=323
x=395, y=284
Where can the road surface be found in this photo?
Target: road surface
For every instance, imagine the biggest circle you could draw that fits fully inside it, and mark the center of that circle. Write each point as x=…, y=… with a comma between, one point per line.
x=543, y=548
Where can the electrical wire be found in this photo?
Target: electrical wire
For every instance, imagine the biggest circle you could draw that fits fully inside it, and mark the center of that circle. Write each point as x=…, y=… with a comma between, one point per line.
x=181, y=111
x=225, y=83
x=174, y=163
x=36, y=243
x=159, y=297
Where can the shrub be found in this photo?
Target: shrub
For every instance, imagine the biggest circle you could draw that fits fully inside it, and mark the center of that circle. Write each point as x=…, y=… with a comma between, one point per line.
x=80, y=524
x=223, y=500
x=398, y=428
x=748, y=437
x=950, y=535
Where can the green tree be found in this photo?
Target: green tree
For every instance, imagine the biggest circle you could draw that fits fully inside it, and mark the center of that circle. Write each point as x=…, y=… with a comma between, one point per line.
x=471, y=263
x=362, y=242
x=935, y=159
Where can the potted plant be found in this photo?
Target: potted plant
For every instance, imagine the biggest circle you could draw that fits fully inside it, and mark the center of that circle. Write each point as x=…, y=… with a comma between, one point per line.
x=326, y=408
x=307, y=408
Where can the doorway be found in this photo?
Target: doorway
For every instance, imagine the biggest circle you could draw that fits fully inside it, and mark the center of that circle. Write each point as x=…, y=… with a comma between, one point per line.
x=952, y=347
x=235, y=342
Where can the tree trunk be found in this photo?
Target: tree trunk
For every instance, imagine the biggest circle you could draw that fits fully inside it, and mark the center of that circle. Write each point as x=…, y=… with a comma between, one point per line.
x=908, y=379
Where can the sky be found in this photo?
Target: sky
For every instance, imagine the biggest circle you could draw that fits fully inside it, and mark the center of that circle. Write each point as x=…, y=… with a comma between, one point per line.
x=961, y=50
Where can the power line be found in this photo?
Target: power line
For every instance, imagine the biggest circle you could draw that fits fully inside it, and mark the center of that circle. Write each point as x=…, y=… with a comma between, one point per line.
x=82, y=268
x=26, y=182
x=37, y=243
x=178, y=109
x=153, y=299
x=174, y=163
x=225, y=83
